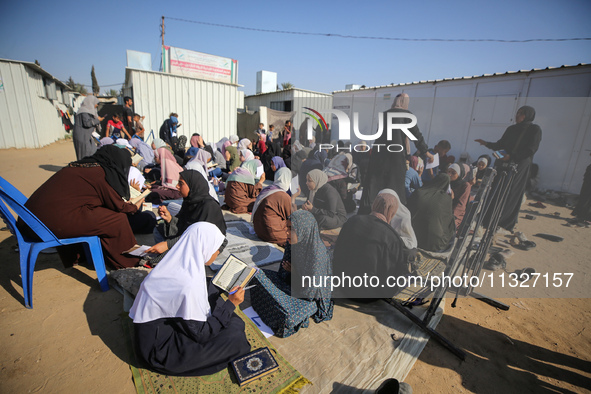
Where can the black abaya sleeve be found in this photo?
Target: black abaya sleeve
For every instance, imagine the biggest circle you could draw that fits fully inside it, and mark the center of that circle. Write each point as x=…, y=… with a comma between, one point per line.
x=202, y=332
x=529, y=145
x=420, y=143
x=500, y=144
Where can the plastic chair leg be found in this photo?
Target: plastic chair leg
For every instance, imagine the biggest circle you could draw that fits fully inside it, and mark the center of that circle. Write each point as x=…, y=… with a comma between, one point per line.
x=98, y=260
x=32, y=259
x=24, y=251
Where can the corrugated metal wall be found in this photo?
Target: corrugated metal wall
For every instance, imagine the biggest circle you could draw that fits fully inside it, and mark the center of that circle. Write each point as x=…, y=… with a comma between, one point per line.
x=463, y=110
x=27, y=118
x=204, y=107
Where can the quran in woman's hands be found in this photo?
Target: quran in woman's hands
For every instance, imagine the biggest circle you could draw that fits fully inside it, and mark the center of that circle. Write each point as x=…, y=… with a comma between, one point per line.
x=233, y=273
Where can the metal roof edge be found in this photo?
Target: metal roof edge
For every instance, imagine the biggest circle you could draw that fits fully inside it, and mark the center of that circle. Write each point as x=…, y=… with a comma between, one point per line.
x=287, y=90
x=37, y=69
x=433, y=81
x=129, y=69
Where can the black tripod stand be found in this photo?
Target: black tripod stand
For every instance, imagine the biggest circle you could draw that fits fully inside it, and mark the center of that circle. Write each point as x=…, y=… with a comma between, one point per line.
x=468, y=254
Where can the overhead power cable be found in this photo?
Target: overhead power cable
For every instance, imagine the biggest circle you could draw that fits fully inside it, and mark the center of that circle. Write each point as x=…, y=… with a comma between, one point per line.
x=382, y=38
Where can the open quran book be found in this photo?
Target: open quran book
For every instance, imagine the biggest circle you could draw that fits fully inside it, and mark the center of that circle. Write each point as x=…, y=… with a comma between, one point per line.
x=233, y=273
x=136, y=196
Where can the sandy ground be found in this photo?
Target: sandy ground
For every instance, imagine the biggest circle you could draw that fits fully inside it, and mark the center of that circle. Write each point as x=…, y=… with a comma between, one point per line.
x=72, y=340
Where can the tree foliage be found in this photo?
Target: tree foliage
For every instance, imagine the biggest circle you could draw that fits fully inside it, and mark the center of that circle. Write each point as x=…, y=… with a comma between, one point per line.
x=287, y=85
x=95, y=86
x=77, y=87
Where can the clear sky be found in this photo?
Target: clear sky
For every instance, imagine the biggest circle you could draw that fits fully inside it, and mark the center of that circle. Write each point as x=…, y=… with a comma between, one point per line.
x=68, y=37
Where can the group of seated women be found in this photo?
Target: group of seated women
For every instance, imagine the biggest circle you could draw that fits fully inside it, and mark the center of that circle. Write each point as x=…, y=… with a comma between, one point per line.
x=183, y=326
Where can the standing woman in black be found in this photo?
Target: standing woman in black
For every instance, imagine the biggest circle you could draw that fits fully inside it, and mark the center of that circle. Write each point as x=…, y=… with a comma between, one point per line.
x=387, y=170
x=521, y=141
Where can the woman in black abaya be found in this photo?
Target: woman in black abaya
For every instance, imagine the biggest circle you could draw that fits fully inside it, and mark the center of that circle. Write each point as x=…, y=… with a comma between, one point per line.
x=520, y=141
x=198, y=206
x=387, y=170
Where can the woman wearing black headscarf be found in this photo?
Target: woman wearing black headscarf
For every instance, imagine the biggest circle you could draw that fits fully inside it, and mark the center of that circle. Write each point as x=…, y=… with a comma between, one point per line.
x=520, y=141
x=273, y=149
x=87, y=198
x=432, y=215
x=198, y=206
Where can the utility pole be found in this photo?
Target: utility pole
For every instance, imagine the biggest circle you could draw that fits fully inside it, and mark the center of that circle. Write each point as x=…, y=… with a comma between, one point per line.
x=162, y=49
x=162, y=30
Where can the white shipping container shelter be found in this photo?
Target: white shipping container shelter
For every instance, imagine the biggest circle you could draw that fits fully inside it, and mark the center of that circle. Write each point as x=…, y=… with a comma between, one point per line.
x=461, y=110
x=205, y=107
x=30, y=100
x=293, y=100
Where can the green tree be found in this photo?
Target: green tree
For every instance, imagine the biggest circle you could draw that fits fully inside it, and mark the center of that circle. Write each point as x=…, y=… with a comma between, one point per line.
x=71, y=84
x=287, y=85
x=111, y=92
x=95, y=86
x=80, y=89
x=76, y=87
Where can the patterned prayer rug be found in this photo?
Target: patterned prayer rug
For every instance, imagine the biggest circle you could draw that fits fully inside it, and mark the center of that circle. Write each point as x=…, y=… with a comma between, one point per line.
x=285, y=380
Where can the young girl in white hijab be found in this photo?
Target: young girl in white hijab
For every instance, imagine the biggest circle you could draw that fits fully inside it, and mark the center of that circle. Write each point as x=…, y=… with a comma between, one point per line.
x=182, y=325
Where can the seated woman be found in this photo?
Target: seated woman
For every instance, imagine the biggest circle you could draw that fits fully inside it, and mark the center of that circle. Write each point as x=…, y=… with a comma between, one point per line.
x=145, y=151
x=193, y=165
x=141, y=222
x=246, y=155
x=218, y=158
x=481, y=164
x=196, y=143
x=242, y=189
x=198, y=206
x=402, y=222
x=338, y=177
x=412, y=180
x=272, y=297
x=170, y=171
x=106, y=141
x=182, y=325
x=461, y=191
x=272, y=208
x=313, y=162
x=87, y=198
x=368, y=245
x=324, y=202
x=212, y=169
x=273, y=150
x=245, y=143
x=277, y=163
x=432, y=215
x=232, y=158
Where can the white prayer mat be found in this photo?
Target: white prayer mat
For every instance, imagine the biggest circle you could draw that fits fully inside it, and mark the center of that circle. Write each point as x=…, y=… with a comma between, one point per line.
x=245, y=245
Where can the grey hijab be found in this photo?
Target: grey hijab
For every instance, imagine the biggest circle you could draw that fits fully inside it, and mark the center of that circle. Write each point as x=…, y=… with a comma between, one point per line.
x=87, y=106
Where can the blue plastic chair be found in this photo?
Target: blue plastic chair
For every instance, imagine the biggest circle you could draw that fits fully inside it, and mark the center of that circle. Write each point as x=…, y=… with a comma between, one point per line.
x=29, y=249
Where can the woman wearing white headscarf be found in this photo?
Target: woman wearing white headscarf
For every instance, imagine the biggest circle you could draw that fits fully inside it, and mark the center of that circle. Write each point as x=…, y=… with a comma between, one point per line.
x=272, y=208
x=401, y=222
x=85, y=122
x=245, y=143
x=182, y=325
